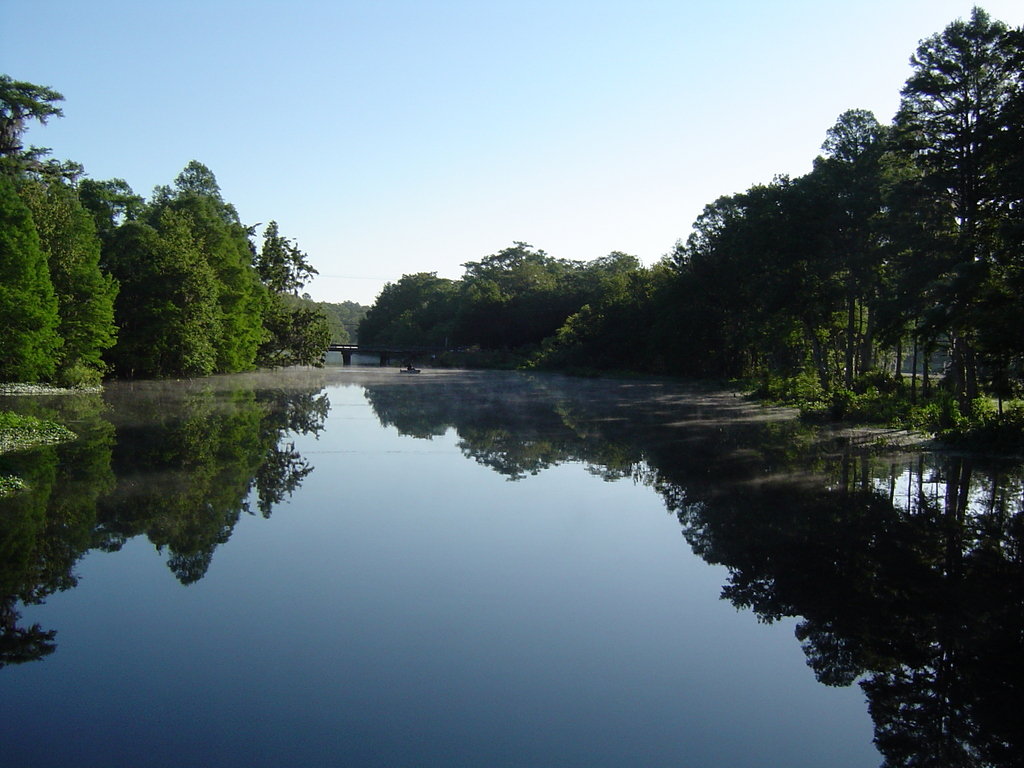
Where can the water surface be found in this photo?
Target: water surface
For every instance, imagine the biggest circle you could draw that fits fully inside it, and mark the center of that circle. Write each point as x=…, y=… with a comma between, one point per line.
x=359, y=567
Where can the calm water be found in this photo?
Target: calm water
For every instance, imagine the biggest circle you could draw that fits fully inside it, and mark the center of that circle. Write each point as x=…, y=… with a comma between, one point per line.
x=358, y=567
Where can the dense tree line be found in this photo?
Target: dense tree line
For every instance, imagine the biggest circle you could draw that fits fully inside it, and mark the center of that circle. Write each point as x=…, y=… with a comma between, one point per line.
x=901, y=250
x=343, y=317
x=97, y=280
x=902, y=241
x=512, y=299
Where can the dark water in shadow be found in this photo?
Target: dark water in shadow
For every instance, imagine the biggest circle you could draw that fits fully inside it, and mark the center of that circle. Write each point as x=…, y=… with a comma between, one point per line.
x=358, y=567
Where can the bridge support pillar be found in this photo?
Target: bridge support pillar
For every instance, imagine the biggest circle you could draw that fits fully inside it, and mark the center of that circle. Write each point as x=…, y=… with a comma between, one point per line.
x=346, y=358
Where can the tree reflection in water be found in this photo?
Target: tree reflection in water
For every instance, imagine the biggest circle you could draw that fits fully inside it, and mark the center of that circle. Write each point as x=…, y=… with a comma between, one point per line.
x=916, y=594
x=176, y=462
x=905, y=572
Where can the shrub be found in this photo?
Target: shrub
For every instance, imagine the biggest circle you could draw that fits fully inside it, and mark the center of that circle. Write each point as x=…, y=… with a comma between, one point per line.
x=79, y=376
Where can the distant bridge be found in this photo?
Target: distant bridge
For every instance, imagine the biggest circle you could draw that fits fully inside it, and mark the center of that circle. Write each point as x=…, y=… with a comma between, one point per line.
x=383, y=351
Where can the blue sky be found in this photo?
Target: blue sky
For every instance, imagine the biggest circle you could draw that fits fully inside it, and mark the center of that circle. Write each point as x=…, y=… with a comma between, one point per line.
x=397, y=137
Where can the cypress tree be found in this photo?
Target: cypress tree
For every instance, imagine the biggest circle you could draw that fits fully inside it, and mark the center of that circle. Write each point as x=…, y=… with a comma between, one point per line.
x=85, y=296
x=223, y=244
x=28, y=308
x=167, y=308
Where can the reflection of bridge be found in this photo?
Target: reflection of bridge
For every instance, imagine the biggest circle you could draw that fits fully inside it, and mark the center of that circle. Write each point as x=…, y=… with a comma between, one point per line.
x=385, y=353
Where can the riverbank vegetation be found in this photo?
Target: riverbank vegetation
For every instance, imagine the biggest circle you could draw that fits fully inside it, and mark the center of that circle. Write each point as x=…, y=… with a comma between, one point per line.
x=18, y=432
x=99, y=281
x=887, y=284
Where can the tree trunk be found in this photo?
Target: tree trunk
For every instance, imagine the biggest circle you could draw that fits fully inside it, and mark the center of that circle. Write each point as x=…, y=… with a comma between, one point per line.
x=913, y=375
x=925, y=369
x=867, y=343
x=851, y=306
x=970, y=373
x=820, y=361
x=964, y=370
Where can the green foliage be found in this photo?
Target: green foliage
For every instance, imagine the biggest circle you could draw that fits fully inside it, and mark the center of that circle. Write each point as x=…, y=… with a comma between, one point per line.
x=901, y=237
x=986, y=429
x=110, y=203
x=803, y=390
x=206, y=454
x=510, y=301
x=167, y=308
x=20, y=102
x=223, y=251
x=29, y=342
x=197, y=180
x=817, y=287
x=195, y=295
x=418, y=310
x=85, y=296
x=296, y=335
x=10, y=484
x=516, y=297
x=191, y=302
x=342, y=318
x=18, y=432
x=613, y=332
x=953, y=118
x=282, y=267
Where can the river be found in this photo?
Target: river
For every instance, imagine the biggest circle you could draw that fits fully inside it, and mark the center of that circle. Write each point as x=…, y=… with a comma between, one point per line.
x=353, y=566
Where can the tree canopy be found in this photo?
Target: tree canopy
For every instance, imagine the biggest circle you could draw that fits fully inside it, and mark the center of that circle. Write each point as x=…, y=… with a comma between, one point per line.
x=20, y=102
x=100, y=280
x=900, y=252
x=28, y=307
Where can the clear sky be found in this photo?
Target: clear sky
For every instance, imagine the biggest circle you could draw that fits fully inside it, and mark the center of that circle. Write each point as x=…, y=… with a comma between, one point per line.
x=389, y=137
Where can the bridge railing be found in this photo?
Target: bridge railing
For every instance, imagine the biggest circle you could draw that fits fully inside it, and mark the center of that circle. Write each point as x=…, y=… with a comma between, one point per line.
x=384, y=352
x=373, y=349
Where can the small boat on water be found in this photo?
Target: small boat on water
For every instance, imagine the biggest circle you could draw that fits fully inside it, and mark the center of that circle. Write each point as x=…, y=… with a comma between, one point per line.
x=409, y=369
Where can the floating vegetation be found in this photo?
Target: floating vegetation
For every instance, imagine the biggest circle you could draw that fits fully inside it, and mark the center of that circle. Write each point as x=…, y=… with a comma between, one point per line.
x=43, y=389
x=18, y=432
x=10, y=484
